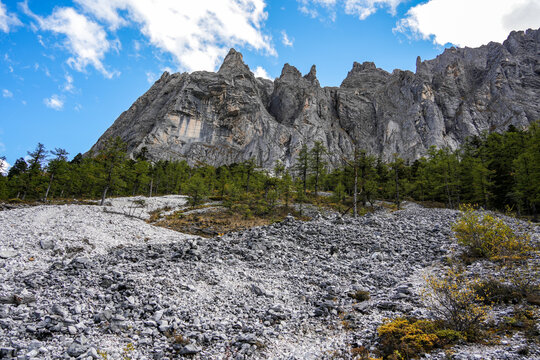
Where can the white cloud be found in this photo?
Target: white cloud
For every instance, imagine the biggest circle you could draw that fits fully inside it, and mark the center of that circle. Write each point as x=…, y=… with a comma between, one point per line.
x=151, y=77
x=469, y=22
x=365, y=8
x=304, y=9
x=4, y=167
x=6, y=93
x=68, y=85
x=84, y=39
x=285, y=39
x=198, y=34
x=261, y=72
x=54, y=102
x=360, y=8
x=7, y=20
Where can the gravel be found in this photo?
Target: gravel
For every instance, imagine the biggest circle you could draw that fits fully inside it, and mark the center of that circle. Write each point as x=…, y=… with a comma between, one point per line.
x=77, y=282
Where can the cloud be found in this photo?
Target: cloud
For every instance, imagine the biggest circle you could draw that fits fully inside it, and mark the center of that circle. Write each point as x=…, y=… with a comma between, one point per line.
x=54, y=102
x=261, y=72
x=4, y=166
x=84, y=39
x=285, y=39
x=151, y=77
x=6, y=93
x=360, y=8
x=198, y=34
x=68, y=85
x=365, y=8
x=469, y=22
x=7, y=20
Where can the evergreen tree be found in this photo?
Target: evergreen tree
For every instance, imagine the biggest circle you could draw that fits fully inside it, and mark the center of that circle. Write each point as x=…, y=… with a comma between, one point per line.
x=111, y=157
x=527, y=171
x=302, y=166
x=286, y=186
x=57, y=166
x=32, y=181
x=197, y=189
x=397, y=166
x=317, y=163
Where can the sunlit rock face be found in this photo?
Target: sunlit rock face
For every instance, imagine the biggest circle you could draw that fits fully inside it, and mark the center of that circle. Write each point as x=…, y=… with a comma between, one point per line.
x=230, y=116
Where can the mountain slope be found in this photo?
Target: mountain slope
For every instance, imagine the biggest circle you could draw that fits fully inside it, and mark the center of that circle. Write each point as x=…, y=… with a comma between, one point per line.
x=230, y=116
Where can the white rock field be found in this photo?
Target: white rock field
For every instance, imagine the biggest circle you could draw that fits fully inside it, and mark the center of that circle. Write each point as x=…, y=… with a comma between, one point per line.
x=79, y=282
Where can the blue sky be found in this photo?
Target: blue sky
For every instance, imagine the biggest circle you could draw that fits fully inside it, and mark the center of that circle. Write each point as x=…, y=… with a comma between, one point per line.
x=69, y=68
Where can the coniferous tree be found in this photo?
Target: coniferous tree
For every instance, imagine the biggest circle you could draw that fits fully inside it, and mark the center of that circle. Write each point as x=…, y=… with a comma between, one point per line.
x=527, y=171
x=397, y=166
x=33, y=176
x=302, y=166
x=197, y=189
x=111, y=157
x=317, y=162
x=57, y=166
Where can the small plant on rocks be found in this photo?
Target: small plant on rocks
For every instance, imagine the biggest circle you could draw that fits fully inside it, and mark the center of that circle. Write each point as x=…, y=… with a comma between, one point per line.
x=359, y=295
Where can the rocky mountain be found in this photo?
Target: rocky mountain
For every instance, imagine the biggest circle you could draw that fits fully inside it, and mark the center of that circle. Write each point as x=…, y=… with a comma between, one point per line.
x=231, y=115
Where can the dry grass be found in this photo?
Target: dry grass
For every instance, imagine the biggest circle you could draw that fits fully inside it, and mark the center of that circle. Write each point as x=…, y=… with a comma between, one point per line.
x=210, y=224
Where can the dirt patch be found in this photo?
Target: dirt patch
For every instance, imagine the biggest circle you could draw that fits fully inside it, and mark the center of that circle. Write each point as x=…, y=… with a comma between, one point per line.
x=213, y=223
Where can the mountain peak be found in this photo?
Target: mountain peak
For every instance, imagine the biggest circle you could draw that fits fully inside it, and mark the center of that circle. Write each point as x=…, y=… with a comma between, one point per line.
x=233, y=63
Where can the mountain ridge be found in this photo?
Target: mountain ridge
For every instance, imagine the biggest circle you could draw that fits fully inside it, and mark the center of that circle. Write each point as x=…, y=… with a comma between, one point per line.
x=230, y=115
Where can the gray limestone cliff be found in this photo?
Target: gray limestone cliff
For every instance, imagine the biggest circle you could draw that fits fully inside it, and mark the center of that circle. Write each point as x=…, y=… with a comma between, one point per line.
x=231, y=116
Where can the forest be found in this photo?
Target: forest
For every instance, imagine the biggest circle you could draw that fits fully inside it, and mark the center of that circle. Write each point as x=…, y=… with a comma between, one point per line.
x=499, y=171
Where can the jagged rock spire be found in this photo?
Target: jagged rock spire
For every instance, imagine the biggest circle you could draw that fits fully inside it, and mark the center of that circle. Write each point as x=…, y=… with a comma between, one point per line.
x=233, y=63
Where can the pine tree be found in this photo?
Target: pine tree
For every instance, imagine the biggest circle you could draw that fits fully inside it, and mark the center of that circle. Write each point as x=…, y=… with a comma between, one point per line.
x=33, y=176
x=302, y=166
x=397, y=166
x=56, y=166
x=197, y=189
x=317, y=162
x=527, y=171
x=111, y=157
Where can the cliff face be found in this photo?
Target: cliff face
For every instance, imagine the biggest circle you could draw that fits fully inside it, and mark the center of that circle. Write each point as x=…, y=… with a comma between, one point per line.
x=231, y=116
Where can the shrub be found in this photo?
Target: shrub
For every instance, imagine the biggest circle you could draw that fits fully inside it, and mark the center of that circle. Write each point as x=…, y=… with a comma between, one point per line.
x=492, y=291
x=454, y=301
x=487, y=236
x=403, y=338
x=359, y=295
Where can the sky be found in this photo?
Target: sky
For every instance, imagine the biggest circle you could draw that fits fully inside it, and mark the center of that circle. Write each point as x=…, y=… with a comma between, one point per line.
x=68, y=69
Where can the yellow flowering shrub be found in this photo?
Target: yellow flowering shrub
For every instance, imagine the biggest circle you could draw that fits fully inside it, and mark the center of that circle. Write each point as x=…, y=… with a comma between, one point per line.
x=454, y=300
x=487, y=236
x=404, y=338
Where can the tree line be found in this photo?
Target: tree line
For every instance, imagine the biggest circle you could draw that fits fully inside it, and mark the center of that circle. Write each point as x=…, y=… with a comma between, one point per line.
x=492, y=170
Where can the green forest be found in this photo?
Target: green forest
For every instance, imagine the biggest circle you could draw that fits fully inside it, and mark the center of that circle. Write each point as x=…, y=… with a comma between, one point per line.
x=495, y=171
